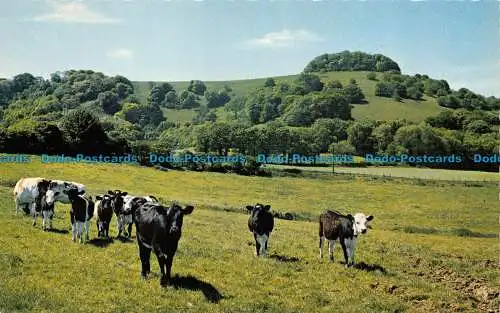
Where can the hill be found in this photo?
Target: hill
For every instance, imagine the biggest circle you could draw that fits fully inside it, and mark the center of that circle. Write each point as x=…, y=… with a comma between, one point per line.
x=377, y=108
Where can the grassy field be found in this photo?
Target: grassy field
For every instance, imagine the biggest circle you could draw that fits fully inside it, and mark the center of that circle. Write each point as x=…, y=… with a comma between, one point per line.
x=377, y=108
x=433, y=247
x=404, y=172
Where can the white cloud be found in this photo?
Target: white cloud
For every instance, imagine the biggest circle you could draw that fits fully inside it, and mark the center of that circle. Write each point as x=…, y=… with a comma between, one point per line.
x=73, y=12
x=284, y=38
x=122, y=53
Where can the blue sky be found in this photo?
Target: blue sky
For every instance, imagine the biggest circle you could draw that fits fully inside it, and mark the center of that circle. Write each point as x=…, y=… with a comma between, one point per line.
x=158, y=40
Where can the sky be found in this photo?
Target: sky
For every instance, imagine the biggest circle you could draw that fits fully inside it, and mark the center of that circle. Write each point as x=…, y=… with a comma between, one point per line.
x=177, y=40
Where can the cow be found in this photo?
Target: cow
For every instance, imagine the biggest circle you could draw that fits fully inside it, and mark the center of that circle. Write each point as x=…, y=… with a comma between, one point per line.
x=28, y=193
x=103, y=212
x=47, y=213
x=126, y=217
x=334, y=225
x=261, y=224
x=57, y=188
x=159, y=228
x=82, y=210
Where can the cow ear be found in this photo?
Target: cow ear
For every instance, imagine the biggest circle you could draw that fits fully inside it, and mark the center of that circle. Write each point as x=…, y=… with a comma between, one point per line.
x=81, y=192
x=369, y=218
x=249, y=207
x=188, y=210
x=267, y=207
x=110, y=192
x=98, y=197
x=124, y=193
x=349, y=216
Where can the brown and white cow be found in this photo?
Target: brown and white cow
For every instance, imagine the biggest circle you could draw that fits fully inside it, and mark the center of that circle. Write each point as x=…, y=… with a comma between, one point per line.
x=334, y=225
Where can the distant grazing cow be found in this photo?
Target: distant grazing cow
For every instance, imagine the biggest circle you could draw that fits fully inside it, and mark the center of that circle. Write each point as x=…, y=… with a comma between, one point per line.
x=103, y=212
x=261, y=224
x=334, y=225
x=159, y=229
x=126, y=217
x=82, y=210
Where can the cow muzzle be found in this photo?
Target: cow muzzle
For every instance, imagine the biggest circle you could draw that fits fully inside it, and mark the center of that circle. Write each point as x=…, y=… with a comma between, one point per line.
x=363, y=231
x=174, y=230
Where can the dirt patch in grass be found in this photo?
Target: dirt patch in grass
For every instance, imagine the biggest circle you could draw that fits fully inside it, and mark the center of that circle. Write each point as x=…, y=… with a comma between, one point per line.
x=483, y=297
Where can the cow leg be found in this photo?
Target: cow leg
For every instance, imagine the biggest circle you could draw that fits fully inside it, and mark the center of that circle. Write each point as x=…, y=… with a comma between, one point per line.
x=331, y=247
x=265, y=246
x=162, y=262
x=262, y=239
x=87, y=228
x=120, y=226
x=257, y=245
x=44, y=219
x=346, y=253
x=144, y=254
x=321, y=239
x=351, y=246
x=34, y=212
x=17, y=205
x=169, y=261
x=129, y=230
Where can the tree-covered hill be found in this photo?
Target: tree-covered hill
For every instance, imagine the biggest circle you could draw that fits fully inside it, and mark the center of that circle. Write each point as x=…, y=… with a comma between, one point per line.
x=343, y=109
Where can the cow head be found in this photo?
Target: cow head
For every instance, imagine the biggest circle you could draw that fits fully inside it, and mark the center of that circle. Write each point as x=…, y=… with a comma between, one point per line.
x=73, y=193
x=259, y=209
x=176, y=215
x=133, y=204
x=106, y=201
x=117, y=199
x=360, y=223
x=51, y=196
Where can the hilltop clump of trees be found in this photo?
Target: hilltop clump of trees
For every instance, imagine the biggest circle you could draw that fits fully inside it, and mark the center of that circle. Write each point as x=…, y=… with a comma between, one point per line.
x=351, y=61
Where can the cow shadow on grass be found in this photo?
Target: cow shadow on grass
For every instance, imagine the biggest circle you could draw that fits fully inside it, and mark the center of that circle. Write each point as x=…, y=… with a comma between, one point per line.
x=284, y=258
x=58, y=231
x=192, y=283
x=369, y=267
x=124, y=239
x=101, y=242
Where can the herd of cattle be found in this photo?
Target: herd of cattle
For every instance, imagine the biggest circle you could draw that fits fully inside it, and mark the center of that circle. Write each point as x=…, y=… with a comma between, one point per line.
x=158, y=227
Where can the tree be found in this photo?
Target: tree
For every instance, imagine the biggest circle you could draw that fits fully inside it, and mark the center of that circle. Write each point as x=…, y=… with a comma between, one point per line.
x=83, y=131
x=308, y=83
x=270, y=82
x=197, y=87
x=354, y=93
x=478, y=127
x=371, y=76
x=359, y=135
x=109, y=102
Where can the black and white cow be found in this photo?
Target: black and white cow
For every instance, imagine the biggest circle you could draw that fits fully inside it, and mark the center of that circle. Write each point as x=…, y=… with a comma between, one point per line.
x=47, y=213
x=28, y=194
x=261, y=224
x=159, y=228
x=82, y=210
x=117, y=202
x=334, y=225
x=126, y=216
x=57, y=188
x=103, y=212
